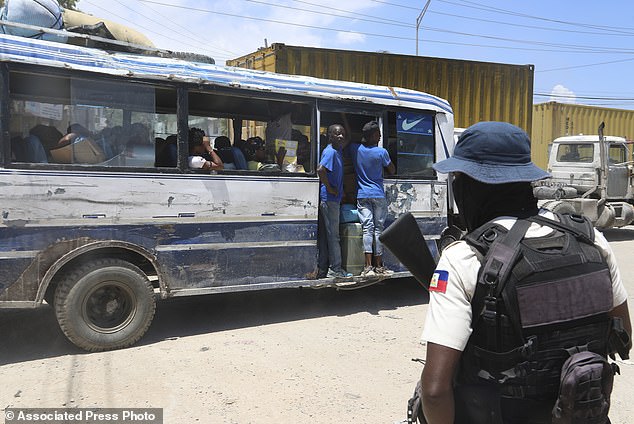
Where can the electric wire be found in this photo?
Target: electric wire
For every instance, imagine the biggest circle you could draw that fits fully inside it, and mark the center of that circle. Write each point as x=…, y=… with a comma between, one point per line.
x=587, y=65
x=568, y=48
x=545, y=46
x=127, y=20
x=157, y=22
x=479, y=6
x=192, y=34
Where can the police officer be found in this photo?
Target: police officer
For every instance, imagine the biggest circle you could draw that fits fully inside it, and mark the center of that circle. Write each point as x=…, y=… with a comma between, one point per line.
x=492, y=174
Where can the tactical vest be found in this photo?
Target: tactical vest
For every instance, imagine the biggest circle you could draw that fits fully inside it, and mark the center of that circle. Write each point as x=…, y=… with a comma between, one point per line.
x=535, y=298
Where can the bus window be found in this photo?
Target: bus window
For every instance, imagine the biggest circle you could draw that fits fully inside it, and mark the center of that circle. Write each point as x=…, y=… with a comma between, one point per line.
x=352, y=122
x=271, y=135
x=85, y=121
x=410, y=142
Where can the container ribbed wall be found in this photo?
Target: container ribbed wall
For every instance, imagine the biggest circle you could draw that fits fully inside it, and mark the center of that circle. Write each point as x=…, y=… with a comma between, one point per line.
x=477, y=91
x=552, y=120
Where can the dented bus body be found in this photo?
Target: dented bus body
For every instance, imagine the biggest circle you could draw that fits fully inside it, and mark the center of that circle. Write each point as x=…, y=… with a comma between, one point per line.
x=101, y=228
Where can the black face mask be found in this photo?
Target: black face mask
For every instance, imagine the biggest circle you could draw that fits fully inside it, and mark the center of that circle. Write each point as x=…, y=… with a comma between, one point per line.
x=467, y=202
x=479, y=203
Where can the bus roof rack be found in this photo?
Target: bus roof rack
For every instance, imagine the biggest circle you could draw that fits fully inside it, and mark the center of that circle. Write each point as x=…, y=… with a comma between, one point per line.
x=89, y=40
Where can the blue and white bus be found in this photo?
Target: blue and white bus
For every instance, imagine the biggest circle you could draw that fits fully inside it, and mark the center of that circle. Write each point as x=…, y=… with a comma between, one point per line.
x=99, y=222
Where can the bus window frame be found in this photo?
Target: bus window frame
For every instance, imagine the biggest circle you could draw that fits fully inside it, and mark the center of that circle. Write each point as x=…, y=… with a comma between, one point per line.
x=182, y=113
x=375, y=111
x=270, y=96
x=46, y=72
x=5, y=151
x=381, y=113
x=434, y=152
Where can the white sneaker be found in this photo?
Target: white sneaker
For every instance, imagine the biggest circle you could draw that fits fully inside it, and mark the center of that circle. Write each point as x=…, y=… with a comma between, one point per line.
x=368, y=271
x=381, y=270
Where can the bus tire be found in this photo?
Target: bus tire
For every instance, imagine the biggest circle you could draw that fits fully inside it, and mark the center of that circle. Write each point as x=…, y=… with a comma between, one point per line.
x=104, y=304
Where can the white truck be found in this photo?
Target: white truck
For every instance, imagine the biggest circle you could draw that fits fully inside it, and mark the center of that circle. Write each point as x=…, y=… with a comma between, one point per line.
x=591, y=175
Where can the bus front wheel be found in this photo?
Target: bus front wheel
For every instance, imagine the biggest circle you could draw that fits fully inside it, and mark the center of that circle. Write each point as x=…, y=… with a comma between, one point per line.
x=104, y=304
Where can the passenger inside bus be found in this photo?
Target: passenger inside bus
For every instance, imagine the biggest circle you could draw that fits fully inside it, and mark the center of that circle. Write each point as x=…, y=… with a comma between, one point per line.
x=232, y=157
x=255, y=152
x=77, y=146
x=198, y=146
x=279, y=128
x=28, y=149
x=298, y=158
x=166, y=152
x=48, y=135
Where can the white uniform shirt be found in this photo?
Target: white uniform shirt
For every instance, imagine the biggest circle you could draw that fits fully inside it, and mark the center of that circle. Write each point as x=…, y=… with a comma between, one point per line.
x=448, y=321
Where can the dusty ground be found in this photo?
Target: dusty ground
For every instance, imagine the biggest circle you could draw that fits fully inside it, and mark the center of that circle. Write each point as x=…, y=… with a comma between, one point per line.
x=287, y=356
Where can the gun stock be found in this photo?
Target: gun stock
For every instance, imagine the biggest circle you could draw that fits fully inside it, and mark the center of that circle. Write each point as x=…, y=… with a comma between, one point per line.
x=404, y=239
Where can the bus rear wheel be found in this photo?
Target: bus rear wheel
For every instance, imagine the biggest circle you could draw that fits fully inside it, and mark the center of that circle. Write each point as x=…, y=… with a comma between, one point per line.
x=104, y=304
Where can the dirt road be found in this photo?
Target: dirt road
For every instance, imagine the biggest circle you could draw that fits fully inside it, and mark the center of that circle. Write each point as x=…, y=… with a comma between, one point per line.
x=287, y=356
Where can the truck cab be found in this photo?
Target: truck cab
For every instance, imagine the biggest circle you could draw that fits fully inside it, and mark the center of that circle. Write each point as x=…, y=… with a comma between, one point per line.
x=591, y=175
x=575, y=161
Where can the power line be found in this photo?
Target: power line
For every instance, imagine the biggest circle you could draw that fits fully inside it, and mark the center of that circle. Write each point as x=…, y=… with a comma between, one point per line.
x=565, y=68
x=127, y=20
x=489, y=8
x=478, y=6
x=575, y=96
x=356, y=14
x=373, y=20
x=261, y=19
x=201, y=41
x=558, y=48
x=526, y=26
x=589, y=49
x=396, y=5
x=572, y=48
x=154, y=20
x=405, y=24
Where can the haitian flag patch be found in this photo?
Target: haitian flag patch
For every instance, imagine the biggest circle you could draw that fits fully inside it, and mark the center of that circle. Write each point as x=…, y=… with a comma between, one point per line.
x=438, y=281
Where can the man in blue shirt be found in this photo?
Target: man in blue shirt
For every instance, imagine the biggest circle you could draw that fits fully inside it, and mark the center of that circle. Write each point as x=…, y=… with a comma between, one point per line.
x=330, y=172
x=369, y=161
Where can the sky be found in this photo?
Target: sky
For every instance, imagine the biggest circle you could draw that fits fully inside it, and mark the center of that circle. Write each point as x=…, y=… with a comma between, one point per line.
x=583, y=51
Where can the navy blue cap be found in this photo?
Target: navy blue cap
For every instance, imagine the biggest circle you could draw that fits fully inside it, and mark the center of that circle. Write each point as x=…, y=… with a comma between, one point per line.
x=493, y=153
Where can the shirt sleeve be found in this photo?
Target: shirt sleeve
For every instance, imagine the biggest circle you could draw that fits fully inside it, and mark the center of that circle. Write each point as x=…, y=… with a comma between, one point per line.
x=448, y=321
x=385, y=158
x=327, y=159
x=196, y=162
x=619, y=293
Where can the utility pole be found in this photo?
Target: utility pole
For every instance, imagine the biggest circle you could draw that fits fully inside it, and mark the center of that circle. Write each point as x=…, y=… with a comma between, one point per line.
x=418, y=21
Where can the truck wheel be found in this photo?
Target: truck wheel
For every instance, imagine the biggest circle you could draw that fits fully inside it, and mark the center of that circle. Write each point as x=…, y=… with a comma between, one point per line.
x=104, y=304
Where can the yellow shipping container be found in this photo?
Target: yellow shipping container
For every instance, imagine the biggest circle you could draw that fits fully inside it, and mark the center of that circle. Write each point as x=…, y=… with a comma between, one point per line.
x=552, y=120
x=477, y=91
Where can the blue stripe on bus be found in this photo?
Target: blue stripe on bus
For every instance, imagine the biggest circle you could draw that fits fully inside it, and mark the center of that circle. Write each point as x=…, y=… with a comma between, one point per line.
x=21, y=49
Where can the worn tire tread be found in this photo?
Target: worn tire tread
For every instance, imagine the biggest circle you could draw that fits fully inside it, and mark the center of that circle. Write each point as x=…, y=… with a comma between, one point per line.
x=69, y=281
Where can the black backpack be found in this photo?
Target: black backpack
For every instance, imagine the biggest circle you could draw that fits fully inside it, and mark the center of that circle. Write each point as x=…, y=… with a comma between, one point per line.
x=584, y=390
